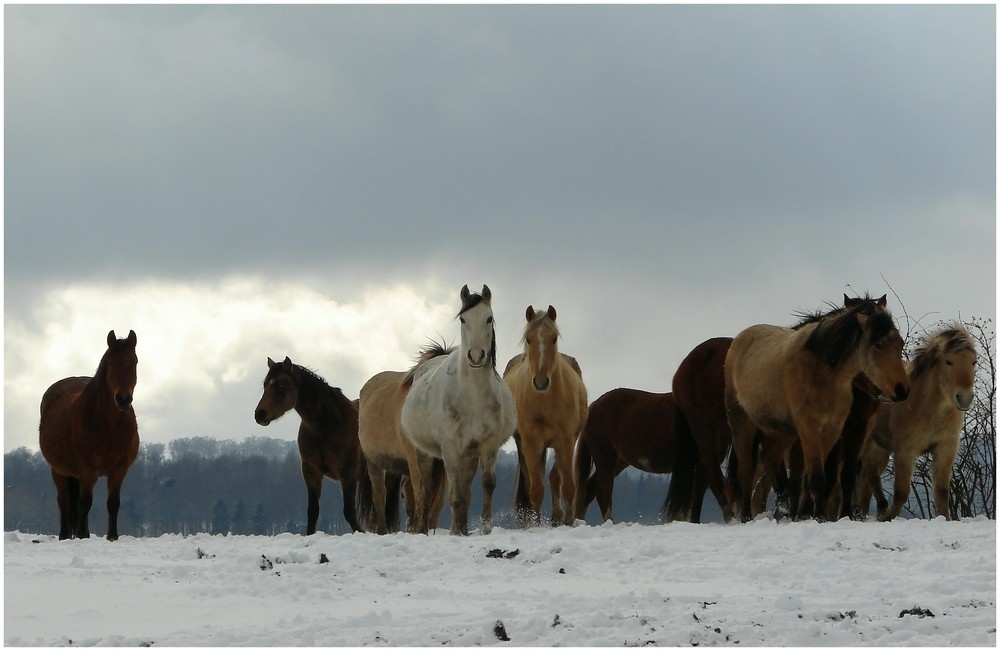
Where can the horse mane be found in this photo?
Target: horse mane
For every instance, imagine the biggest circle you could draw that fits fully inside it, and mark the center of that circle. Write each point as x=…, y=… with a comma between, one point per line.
x=427, y=353
x=949, y=339
x=312, y=388
x=838, y=333
x=540, y=319
x=472, y=301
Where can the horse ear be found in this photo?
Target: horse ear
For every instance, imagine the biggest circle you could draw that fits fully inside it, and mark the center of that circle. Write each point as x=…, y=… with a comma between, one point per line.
x=464, y=294
x=286, y=365
x=271, y=363
x=132, y=339
x=529, y=314
x=487, y=294
x=112, y=338
x=881, y=302
x=551, y=313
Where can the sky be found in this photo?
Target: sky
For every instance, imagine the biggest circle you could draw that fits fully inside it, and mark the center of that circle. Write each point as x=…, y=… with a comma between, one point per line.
x=242, y=182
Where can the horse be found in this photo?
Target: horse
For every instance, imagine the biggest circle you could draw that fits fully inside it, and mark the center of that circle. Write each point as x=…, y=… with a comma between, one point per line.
x=88, y=430
x=388, y=454
x=624, y=427
x=328, y=433
x=796, y=384
x=701, y=436
x=551, y=403
x=942, y=375
x=459, y=410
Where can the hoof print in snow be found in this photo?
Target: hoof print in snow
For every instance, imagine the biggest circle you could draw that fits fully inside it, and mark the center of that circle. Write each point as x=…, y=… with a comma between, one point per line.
x=323, y=559
x=556, y=622
x=202, y=554
x=919, y=612
x=890, y=549
x=500, y=631
x=839, y=617
x=499, y=553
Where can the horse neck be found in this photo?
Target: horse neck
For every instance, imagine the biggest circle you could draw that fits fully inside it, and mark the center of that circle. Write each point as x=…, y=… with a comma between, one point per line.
x=96, y=396
x=317, y=401
x=926, y=391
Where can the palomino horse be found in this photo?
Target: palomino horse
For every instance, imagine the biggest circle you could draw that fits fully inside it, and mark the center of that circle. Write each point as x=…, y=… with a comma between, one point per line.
x=459, y=410
x=388, y=454
x=625, y=427
x=328, y=434
x=797, y=384
x=701, y=435
x=942, y=373
x=551, y=403
x=88, y=430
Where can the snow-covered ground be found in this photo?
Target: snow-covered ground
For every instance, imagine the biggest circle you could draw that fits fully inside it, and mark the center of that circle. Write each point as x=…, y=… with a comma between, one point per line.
x=907, y=582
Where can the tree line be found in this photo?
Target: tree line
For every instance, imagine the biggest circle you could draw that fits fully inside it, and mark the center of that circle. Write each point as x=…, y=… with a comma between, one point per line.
x=250, y=487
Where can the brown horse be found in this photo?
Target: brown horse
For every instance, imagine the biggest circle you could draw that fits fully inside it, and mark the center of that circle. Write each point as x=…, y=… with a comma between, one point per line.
x=88, y=430
x=942, y=373
x=701, y=434
x=551, y=403
x=625, y=427
x=798, y=384
x=328, y=435
x=388, y=452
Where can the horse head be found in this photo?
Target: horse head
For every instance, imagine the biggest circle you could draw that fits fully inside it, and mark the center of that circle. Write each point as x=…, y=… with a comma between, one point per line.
x=952, y=353
x=541, y=335
x=280, y=392
x=119, y=365
x=881, y=347
x=479, y=342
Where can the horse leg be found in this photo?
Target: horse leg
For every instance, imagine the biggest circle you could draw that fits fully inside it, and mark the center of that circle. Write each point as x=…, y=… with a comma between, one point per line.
x=115, y=481
x=744, y=440
x=582, y=498
x=67, y=498
x=377, y=478
x=86, y=501
x=488, y=460
x=438, y=483
x=461, y=469
x=533, y=459
x=564, y=464
x=313, y=477
x=944, y=458
x=349, y=488
x=903, y=474
x=814, y=460
x=421, y=471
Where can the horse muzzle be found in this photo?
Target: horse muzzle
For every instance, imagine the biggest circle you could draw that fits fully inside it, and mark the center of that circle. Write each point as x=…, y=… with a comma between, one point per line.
x=901, y=393
x=541, y=384
x=123, y=401
x=963, y=401
x=261, y=417
x=478, y=361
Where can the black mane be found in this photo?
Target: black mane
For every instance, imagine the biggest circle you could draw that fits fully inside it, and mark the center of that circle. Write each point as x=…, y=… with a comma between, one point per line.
x=838, y=333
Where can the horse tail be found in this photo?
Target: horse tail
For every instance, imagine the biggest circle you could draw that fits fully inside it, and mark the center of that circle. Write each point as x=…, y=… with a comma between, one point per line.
x=364, y=502
x=392, y=483
x=583, y=462
x=680, y=495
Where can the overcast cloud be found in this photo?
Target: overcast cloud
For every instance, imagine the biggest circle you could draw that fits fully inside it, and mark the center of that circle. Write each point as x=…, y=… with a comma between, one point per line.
x=241, y=182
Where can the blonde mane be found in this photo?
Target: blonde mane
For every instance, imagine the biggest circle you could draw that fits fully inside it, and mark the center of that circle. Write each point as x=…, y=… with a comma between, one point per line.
x=949, y=339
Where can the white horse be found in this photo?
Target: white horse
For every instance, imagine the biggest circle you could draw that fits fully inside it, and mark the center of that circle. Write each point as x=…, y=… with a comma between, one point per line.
x=459, y=410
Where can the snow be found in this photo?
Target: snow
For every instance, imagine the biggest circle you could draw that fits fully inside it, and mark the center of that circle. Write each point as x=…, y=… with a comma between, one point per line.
x=907, y=582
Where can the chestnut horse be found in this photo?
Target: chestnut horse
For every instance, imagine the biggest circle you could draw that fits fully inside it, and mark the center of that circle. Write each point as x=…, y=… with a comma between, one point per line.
x=942, y=373
x=88, y=430
x=703, y=439
x=328, y=434
x=551, y=403
x=798, y=384
x=625, y=427
x=389, y=454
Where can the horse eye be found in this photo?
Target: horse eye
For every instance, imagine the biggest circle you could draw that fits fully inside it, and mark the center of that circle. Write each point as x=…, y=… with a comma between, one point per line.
x=461, y=320
x=489, y=319
x=948, y=362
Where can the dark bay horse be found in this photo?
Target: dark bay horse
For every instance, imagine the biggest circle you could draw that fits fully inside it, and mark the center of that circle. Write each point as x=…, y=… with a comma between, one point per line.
x=625, y=427
x=703, y=438
x=88, y=430
x=328, y=435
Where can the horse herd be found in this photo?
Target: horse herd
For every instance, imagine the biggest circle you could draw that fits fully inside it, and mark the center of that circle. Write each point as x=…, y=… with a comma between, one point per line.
x=811, y=412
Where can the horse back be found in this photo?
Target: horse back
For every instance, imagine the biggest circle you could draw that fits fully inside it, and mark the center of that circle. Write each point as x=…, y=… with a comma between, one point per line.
x=637, y=424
